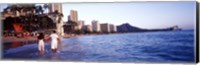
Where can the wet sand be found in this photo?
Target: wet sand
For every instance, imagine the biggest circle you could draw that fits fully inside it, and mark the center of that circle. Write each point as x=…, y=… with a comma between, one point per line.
x=15, y=39
x=14, y=42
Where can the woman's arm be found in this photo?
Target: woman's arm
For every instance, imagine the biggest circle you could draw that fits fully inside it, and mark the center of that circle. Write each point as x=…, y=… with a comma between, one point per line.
x=47, y=38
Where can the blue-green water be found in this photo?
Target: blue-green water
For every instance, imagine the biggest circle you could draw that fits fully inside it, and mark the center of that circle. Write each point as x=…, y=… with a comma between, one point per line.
x=171, y=46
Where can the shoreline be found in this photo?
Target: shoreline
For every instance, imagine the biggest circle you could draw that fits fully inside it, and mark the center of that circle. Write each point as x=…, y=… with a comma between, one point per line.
x=7, y=39
x=15, y=39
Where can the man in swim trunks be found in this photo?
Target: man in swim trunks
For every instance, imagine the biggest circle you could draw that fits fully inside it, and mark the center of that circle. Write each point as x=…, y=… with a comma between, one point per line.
x=54, y=41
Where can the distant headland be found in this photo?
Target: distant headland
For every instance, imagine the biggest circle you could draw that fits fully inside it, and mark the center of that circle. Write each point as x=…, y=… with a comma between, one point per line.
x=126, y=27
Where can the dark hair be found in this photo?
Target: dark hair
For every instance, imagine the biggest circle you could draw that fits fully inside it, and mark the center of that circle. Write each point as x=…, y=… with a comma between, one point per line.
x=41, y=36
x=54, y=31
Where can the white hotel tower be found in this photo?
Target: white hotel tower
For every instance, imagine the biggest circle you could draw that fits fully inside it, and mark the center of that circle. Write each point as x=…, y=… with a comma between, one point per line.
x=55, y=6
x=96, y=26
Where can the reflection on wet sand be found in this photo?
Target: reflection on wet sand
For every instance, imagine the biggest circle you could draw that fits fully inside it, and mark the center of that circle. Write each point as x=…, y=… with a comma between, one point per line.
x=8, y=45
x=15, y=44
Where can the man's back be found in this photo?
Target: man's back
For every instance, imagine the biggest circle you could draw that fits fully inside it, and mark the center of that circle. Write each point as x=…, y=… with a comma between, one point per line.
x=54, y=36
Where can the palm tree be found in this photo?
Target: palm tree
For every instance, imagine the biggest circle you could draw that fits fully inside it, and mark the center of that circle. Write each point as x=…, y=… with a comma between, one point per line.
x=70, y=26
x=45, y=6
x=39, y=10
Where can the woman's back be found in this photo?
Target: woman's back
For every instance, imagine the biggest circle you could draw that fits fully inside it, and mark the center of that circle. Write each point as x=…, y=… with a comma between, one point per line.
x=41, y=36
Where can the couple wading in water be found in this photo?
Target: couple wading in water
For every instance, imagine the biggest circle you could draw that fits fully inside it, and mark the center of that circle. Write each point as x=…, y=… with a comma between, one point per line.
x=54, y=42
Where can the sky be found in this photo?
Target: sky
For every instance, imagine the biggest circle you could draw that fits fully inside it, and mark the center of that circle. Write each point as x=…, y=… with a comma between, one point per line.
x=148, y=15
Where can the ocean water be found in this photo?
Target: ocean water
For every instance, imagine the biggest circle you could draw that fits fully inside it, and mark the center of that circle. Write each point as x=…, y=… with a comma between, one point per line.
x=159, y=47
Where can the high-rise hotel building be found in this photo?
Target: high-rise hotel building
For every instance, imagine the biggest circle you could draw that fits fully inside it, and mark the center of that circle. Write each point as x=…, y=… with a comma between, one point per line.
x=95, y=26
x=113, y=28
x=55, y=6
x=73, y=15
x=105, y=27
x=74, y=18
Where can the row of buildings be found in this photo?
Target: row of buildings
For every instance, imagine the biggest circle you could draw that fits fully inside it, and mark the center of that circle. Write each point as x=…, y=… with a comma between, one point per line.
x=98, y=27
x=95, y=26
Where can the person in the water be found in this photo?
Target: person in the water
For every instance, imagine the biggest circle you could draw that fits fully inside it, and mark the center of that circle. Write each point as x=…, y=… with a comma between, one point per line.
x=54, y=41
x=41, y=45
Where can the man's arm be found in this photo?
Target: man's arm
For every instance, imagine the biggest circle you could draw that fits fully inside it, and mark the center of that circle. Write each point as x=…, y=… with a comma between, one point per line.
x=47, y=38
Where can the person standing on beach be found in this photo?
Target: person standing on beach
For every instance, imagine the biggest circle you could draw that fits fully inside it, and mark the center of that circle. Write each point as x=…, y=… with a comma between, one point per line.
x=41, y=44
x=54, y=41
